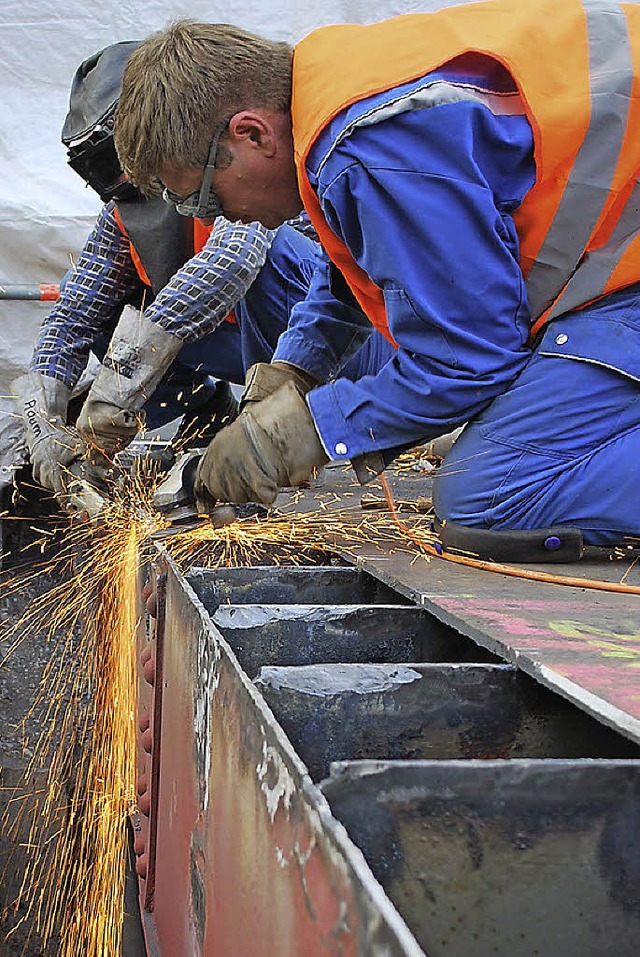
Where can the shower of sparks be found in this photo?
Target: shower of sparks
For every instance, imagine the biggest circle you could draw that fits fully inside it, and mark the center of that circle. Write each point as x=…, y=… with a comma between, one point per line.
x=83, y=765
x=418, y=459
x=291, y=538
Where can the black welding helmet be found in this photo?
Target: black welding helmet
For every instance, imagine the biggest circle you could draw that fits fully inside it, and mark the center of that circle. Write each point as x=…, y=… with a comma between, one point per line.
x=88, y=129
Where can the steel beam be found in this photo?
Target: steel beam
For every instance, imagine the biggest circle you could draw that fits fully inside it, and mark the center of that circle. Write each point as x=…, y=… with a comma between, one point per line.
x=502, y=857
x=290, y=584
x=433, y=711
x=248, y=856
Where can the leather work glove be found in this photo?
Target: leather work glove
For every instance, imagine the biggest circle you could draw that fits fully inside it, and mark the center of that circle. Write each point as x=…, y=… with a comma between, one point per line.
x=264, y=378
x=272, y=444
x=139, y=354
x=53, y=447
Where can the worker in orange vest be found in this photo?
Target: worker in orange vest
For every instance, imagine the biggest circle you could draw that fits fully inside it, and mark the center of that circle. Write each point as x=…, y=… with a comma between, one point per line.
x=471, y=174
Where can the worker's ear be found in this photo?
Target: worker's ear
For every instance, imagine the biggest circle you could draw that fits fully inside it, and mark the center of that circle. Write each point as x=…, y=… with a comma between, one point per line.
x=254, y=128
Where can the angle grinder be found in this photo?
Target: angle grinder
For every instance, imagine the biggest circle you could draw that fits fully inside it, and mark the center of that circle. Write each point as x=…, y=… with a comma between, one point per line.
x=175, y=497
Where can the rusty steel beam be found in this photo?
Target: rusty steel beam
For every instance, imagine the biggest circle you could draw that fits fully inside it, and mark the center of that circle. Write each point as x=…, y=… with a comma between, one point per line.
x=301, y=634
x=247, y=854
x=290, y=584
x=453, y=857
x=281, y=633
x=434, y=711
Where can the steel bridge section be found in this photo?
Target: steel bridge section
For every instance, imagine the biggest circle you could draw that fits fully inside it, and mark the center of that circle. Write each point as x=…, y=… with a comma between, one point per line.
x=332, y=772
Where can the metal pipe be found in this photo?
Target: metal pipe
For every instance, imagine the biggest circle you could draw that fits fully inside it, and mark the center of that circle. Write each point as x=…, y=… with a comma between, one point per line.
x=44, y=291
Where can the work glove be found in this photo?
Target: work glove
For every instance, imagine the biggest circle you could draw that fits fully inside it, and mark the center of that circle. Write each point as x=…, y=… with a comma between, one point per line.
x=139, y=354
x=272, y=444
x=53, y=446
x=264, y=378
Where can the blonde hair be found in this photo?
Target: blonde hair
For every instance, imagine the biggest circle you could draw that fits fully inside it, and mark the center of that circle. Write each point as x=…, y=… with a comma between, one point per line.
x=182, y=82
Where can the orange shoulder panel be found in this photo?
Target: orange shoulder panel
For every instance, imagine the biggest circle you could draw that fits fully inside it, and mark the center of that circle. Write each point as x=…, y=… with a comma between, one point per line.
x=137, y=262
x=516, y=35
x=201, y=233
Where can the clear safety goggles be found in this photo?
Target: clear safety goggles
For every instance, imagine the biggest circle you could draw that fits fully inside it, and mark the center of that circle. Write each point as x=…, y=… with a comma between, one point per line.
x=203, y=203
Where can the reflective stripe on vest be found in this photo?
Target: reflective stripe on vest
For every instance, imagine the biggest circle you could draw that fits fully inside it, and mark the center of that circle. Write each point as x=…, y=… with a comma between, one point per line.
x=571, y=221
x=589, y=185
x=593, y=278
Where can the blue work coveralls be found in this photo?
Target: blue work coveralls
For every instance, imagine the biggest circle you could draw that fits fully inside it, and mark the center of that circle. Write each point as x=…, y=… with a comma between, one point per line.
x=105, y=278
x=424, y=201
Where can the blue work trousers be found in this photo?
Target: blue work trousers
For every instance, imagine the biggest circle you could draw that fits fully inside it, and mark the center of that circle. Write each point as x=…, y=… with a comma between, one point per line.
x=562, y=444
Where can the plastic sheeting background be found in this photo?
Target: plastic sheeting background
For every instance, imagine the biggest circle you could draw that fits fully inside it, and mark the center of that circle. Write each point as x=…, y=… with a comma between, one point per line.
x=45, y=210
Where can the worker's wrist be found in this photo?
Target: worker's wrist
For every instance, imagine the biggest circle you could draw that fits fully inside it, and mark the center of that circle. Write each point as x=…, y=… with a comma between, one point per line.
x=317, y=358
x=265, y=378
x=50, y=395
x=139, y=354
x=299, y=376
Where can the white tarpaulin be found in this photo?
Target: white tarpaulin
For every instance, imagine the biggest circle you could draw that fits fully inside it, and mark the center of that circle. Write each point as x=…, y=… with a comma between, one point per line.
x=45, y=211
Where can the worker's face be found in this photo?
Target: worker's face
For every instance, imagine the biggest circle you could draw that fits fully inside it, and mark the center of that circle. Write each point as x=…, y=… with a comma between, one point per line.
x=259, y=182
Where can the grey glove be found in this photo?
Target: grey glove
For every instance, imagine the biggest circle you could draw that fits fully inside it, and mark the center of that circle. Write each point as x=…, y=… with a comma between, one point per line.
x=139, y=354
x=42, y=402
x=272, y=444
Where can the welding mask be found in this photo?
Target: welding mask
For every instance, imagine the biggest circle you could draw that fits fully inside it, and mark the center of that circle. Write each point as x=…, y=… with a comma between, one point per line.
x=88, y=128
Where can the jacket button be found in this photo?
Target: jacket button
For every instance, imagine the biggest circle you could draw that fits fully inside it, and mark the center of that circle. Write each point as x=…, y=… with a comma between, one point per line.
x=561, y=338
x=341, y=449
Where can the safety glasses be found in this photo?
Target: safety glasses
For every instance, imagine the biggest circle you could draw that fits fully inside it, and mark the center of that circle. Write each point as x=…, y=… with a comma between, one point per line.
x=202, y=203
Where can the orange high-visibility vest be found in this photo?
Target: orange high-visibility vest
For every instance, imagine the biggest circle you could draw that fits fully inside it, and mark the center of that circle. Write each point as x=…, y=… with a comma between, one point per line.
x=576, y=68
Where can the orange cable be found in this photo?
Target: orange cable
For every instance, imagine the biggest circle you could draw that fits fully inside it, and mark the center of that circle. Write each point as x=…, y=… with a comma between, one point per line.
x=511, y=570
